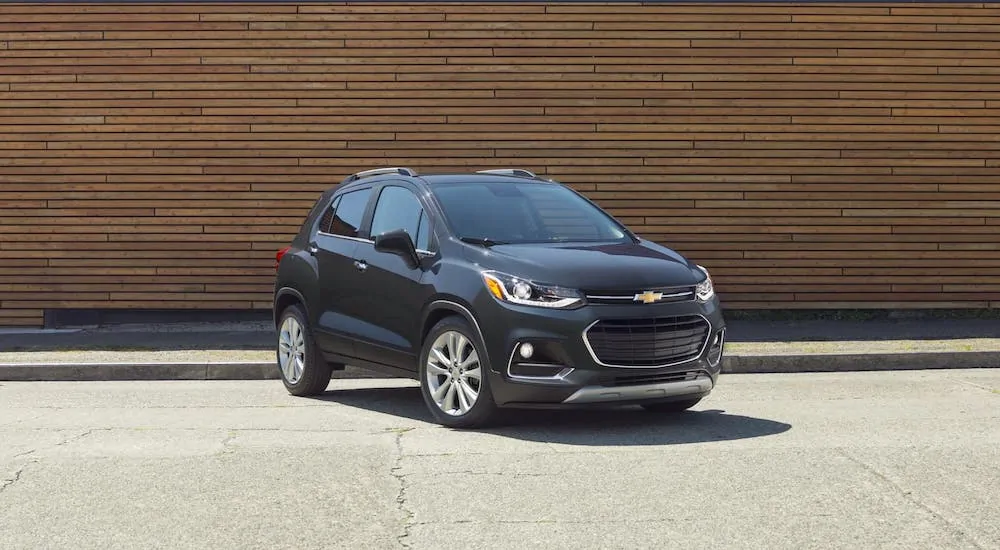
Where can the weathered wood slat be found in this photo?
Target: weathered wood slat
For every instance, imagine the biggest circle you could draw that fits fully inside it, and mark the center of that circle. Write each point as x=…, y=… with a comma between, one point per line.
x=155, y=155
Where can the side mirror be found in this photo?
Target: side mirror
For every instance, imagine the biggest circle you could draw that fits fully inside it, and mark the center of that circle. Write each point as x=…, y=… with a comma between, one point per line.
x=398, y=242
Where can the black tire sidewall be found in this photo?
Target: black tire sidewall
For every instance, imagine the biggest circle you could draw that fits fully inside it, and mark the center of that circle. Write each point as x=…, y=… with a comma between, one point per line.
x=316, y=372
x=485, y=410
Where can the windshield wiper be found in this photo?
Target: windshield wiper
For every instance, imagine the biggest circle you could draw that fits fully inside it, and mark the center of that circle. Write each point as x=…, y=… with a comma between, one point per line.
x=482, y=241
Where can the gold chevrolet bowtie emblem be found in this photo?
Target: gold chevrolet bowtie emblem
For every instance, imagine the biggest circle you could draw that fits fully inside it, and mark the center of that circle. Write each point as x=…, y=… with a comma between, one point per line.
x=648, y=297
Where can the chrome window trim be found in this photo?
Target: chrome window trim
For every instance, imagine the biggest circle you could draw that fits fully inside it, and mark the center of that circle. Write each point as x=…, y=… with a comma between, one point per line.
x=369, y=241
x=358, y=239
x=561, y=375
x=704, y=346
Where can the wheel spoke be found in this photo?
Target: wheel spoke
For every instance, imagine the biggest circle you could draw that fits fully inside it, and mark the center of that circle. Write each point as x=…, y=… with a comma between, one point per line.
x=471, y=395
x=462, y=343
x=440, y=357
x=453, y=346
x=449, y=398
x=472, y=359
x=441, y=390
x=476, y=374
x=435, y=370
x=463, y=399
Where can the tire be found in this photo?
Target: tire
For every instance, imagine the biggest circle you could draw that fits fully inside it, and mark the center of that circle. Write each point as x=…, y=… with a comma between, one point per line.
x=452, y=407
x=671, y=406
x=310, y=375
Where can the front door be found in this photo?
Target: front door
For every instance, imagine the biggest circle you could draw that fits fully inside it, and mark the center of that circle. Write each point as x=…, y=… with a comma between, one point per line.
x=396, y=290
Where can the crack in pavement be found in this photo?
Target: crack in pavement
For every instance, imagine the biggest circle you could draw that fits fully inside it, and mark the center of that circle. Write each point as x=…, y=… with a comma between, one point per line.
x=81, y=436
x=909, y=497
x=552, y=521
x=401, y=503
x=507, y=474
x=17, y=476
x=975, y=385
x=21, y=421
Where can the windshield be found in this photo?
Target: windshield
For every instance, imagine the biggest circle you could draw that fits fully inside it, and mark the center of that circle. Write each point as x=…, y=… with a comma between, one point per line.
x=517, y=213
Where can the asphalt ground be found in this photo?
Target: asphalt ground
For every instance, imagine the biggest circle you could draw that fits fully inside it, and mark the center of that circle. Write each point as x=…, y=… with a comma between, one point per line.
x=906, y=460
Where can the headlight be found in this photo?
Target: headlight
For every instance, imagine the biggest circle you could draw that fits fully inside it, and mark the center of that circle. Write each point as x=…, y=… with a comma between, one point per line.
x=508, y=288
x=704, y=291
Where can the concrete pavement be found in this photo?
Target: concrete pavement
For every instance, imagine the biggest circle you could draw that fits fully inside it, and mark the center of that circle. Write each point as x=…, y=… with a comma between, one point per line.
x=903, y=460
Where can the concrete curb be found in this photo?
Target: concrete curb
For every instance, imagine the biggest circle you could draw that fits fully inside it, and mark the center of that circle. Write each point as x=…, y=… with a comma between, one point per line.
x=732, y=364
x=52, y=372
x=740, y=364
x=91, y=372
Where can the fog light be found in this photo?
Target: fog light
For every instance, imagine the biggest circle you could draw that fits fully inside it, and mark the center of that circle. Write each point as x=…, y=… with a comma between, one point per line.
x=527, y=350
x=715, y=351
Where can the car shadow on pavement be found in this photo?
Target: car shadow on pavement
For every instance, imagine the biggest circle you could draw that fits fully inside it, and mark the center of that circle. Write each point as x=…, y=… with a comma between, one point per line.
x=621, y=426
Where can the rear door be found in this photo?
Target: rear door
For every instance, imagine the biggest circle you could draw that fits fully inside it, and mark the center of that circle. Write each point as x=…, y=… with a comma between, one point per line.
x=335, y=246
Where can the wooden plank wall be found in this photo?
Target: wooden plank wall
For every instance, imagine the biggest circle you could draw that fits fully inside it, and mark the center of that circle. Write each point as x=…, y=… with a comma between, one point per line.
x=156, y=155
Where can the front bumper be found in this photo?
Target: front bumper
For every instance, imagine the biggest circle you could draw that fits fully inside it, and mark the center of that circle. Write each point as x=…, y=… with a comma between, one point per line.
x=582, y=379
x=643, y=392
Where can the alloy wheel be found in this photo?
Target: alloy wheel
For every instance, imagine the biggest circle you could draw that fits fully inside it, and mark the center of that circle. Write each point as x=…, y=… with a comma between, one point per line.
x=291, y=350
x=454, y=375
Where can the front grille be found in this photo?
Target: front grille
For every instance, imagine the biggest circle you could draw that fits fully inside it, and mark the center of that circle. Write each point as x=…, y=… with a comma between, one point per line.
x=625, y=297
x=652, y=342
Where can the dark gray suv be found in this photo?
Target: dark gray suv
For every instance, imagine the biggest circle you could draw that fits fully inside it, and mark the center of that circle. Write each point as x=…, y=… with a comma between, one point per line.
x=494, y=289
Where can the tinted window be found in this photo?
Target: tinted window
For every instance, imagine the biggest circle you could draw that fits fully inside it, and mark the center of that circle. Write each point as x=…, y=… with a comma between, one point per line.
x=423, y=233
x=327, y=220
x=523, y=213
x=349, y=213
x=398, y=208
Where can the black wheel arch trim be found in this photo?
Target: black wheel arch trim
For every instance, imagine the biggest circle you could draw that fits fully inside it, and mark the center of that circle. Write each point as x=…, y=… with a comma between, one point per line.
x=456, y=307
x=284, y=291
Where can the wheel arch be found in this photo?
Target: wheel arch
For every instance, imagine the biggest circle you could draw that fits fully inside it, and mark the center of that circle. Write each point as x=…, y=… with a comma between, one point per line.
x=287, y=296
x=441, y=308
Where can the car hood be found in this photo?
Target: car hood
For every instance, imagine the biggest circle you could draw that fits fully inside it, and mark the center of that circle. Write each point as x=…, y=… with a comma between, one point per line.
x=599, y=266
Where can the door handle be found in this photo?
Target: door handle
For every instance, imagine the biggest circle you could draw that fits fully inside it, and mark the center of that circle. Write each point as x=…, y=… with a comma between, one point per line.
x=361, y=265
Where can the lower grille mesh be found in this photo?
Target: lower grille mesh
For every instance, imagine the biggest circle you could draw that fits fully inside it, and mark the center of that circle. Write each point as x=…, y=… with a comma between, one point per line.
x=648, y=342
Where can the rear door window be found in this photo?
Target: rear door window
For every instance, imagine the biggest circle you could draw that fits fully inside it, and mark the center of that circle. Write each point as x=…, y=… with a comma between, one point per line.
x=349, y=213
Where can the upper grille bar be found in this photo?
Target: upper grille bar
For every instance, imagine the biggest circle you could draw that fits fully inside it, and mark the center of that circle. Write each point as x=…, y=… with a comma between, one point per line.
x=620, y=297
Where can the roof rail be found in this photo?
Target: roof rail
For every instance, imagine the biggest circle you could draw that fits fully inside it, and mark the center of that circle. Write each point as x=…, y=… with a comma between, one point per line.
x=379, y=172
x=516, y=172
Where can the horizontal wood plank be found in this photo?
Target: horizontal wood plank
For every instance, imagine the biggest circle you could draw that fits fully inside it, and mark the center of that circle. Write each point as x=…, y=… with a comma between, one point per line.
x=156, y=155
